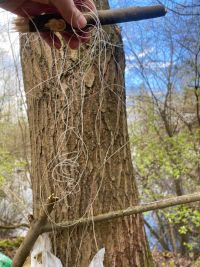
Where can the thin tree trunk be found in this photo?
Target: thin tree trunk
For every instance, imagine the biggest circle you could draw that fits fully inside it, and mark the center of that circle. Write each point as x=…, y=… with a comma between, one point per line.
x=156, y=235
x=172, y=237
x=80, y=149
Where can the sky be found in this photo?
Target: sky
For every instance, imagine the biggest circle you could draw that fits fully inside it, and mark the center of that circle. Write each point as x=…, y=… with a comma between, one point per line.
x=137, y=38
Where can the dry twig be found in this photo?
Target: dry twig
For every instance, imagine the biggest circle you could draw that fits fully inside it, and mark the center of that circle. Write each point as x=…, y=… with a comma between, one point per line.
x=33, y=233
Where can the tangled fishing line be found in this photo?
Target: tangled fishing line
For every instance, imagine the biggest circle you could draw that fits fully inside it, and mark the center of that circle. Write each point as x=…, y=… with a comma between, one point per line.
x=65, y=169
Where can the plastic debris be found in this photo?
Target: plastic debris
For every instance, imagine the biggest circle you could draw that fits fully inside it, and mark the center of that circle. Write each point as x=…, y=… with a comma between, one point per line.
x=41, y=255
x=98, y=259
x=5, y=261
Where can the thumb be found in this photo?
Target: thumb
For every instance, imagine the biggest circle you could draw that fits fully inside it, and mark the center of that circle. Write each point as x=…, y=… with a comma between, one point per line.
x=70, y=13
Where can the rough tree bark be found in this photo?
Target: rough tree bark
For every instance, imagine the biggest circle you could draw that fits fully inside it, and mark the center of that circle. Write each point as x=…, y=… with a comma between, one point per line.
x=79, y=146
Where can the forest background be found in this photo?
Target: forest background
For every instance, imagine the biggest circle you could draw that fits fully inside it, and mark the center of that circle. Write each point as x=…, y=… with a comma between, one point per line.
x=163, y=105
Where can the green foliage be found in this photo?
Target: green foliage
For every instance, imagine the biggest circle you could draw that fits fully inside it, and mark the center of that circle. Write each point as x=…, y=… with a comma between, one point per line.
x=10, y=151
x=197, y=263
x=14, y=142
x=187, y=220
x=11, y=243
x=189, y=246
x=167, y=164
x=196, y=218
x=172, y=157
x=6, y=165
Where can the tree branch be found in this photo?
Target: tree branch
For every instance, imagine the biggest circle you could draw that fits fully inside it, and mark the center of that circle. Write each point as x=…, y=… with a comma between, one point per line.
x=104, y=17
x=41, y=225
x=14, y=226
x=161, y=204
x=33, y=233
x=157, y=235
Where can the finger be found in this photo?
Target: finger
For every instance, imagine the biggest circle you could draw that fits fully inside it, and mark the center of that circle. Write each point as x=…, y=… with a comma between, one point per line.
x=90, y=4
x=85, y=5
x=71, y=40
x=85, y=37
x=71, y=13
x=46, y=2
x=11, y=5
x=51, y=39
x=30, y=8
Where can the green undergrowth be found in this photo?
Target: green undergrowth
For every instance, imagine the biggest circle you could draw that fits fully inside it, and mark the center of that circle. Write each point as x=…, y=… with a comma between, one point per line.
x=11, y=243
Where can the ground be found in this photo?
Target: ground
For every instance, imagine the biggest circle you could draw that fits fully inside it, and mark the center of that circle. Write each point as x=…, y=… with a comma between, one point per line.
x=169, y=259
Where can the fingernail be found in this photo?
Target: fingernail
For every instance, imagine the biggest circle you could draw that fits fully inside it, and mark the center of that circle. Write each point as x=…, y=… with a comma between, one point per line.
x=81, y=22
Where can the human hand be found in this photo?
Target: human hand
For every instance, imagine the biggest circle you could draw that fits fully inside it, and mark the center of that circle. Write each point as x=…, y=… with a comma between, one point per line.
x=69, y=9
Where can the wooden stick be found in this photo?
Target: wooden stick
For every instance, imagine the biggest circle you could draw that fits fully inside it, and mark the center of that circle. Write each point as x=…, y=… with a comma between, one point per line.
x=161, y=204
x=103, y=17
x=33, y=233
x=40, y=226
x=14, y=226
x=120, y=15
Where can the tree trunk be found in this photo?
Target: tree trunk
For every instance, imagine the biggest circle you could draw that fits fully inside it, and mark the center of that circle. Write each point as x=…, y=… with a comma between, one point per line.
x=80, y=148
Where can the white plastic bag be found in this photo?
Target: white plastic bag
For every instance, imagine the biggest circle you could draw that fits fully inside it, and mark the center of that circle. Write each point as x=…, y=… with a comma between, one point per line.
x=41, y=255
x=98, y=259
